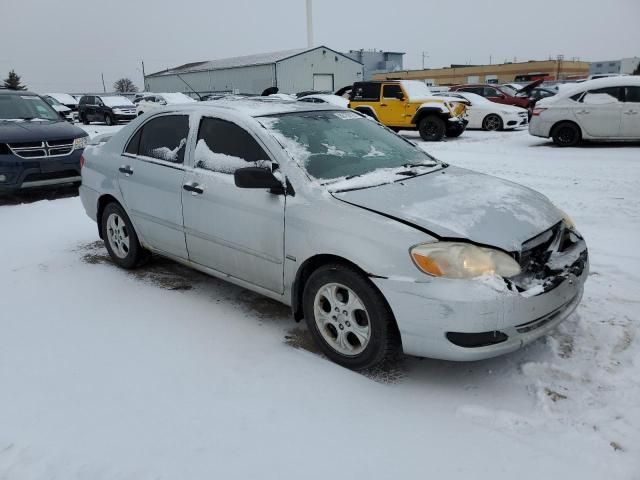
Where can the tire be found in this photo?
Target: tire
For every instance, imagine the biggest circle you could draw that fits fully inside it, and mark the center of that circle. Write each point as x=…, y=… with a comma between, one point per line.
x=120, y=238
x=492, y=123
x=84, y=119
x=363, y=337
x=432, y=128
x=108, y=119
x=566, y=134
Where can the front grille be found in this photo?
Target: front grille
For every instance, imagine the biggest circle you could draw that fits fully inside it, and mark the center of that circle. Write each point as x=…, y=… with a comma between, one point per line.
x=536, y=251
x=51, y=148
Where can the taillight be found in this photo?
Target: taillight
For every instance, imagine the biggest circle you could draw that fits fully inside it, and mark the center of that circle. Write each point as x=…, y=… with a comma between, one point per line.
x=537, y=111
x=81, y=161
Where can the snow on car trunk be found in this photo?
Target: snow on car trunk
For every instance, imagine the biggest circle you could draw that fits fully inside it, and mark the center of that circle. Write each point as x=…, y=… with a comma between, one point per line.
x=166, y=373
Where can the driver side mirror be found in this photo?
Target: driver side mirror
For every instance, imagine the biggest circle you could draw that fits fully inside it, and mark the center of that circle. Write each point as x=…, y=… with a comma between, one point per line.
x=400, y=96
x=257, y=177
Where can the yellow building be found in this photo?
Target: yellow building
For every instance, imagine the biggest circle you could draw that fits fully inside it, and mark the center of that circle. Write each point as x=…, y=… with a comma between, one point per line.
x=498, y=73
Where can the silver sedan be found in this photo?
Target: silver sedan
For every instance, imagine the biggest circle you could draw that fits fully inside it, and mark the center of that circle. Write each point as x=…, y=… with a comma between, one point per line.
x=377, y=245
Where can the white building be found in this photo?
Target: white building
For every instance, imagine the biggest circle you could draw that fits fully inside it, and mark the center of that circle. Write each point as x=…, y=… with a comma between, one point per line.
x=624, y=66
x=319, y=68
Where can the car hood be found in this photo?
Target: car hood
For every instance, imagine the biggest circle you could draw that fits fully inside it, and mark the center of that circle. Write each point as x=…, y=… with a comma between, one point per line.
x=35, y=131
x=455, y=203
x=530, y=86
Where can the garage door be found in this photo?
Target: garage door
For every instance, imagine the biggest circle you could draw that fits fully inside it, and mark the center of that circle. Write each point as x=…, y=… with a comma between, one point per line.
x=323, y=82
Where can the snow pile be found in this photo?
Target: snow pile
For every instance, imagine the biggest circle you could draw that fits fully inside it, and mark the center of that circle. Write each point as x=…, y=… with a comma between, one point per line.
x=168, y=154
x=221, y=163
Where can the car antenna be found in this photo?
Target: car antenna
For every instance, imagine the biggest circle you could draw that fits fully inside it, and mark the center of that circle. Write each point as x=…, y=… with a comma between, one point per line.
x=183, y=80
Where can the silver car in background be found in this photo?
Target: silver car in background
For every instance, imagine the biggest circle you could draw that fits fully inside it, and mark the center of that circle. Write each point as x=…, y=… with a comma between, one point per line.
x=377, y=245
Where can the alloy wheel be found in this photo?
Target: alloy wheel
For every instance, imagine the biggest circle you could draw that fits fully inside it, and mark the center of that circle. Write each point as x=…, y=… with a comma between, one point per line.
x=342, y=319
x=118, y=235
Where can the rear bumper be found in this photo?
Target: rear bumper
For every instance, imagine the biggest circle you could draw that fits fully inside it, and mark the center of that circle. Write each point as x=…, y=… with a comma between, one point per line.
x=540, y=128
x=22, y=174
x=428, y=312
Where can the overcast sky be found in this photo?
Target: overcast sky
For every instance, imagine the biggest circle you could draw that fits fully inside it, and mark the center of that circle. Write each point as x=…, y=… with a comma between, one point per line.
x=65, y=45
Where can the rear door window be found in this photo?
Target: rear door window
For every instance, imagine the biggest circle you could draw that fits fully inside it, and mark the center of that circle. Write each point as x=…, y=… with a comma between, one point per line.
x=366, y=92
x=163, y=138
x=224, y=147
x=602, y=96
x=632, y=94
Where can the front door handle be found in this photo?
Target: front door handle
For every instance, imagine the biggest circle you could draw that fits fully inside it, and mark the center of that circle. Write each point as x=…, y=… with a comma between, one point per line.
x=583, y=112
x=126, y=169
x=194, y=188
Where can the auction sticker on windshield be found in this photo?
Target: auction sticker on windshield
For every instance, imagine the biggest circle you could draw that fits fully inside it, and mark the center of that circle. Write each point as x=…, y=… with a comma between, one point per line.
x=347, y=115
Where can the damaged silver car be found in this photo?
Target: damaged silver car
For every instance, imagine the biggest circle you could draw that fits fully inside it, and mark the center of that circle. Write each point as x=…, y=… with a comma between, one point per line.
x=378, y=246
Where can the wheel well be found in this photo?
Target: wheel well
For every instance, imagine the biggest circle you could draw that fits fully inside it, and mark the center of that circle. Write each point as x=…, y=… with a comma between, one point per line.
x=367, y=111
x=557, y=124
x=103, y=201
x=423, y=112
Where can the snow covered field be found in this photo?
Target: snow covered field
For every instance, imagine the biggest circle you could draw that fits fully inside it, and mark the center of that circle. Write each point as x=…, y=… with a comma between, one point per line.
x=165, y=373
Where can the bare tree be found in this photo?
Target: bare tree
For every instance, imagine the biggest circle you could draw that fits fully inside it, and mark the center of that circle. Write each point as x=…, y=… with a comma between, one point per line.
x=125, y=85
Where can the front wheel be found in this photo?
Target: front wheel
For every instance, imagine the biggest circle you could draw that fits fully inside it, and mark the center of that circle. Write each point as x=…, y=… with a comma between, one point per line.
x=85, y=120
x=566, y=134
x=432, y=128
x=120, y=238
x=108, y=119
x=348, y=318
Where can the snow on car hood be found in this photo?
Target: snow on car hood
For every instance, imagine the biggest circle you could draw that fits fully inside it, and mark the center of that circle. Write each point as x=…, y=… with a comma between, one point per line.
x=455, y=203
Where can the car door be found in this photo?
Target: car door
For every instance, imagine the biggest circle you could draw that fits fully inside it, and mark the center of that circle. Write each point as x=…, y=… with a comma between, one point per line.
x=631, y=113
x=393, y=105
x=238, y=232
x=151, y=177
x=599, y=112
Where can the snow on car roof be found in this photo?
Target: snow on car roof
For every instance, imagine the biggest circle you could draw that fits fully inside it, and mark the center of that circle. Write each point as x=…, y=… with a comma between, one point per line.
x=261, y=106
x=63, y=98
x=620, y=81
x=176, y=97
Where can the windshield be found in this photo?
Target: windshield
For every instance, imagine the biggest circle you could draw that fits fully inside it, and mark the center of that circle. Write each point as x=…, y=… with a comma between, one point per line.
x=52, y=101
x=509, y=89
x=333, y=145
x=25, y=107
x=416, y=89
x=116, y=101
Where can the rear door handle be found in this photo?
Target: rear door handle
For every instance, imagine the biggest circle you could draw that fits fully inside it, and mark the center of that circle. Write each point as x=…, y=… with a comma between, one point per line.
x=194, y=188
x=583, y=112
x=126, y=169
x=383, y=104
x=631, y=112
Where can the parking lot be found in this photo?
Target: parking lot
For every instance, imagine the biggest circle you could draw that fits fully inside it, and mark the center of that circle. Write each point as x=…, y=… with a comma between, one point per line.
x=167, y=373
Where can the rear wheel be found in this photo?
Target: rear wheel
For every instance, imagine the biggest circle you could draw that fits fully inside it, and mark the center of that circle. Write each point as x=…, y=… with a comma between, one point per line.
x=566, y=134
x=492, y=123
x=120, y=238
x=431, y=128
x=348, y=318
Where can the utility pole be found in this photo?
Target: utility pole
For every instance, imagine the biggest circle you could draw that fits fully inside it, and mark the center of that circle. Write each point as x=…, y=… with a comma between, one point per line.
x=103, y=87
x=425, y=55
x=144, y=78
x=310, y=23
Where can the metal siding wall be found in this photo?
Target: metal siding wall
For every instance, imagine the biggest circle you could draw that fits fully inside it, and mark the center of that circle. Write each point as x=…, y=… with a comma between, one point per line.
x=253, y=79
x=296, y=74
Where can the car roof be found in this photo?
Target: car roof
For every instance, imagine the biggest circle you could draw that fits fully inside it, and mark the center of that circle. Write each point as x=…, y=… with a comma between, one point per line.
x=17, y=92
x=255, y=107
x=619, y=81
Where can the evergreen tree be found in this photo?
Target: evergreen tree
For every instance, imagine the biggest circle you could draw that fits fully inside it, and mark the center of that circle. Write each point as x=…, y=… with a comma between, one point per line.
x=13, y=82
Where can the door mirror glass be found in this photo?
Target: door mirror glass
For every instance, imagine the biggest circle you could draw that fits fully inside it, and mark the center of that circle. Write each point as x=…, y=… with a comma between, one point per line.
x=400, y=96
x=256, y=177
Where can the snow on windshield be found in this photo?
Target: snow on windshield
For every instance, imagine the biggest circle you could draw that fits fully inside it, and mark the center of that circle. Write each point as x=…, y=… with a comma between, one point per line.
x=416, y=89
x=116, y=101
x=221, y=163
x=168, y=154
x=174, y=98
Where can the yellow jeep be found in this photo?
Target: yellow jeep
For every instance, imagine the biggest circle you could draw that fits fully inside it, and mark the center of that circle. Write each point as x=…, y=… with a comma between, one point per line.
x=409, y=105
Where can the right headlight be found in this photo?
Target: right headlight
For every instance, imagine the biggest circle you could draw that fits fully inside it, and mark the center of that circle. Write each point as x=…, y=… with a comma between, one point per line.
x=462, y=260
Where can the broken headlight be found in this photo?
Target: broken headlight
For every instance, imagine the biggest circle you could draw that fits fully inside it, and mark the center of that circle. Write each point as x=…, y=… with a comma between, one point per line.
x=462, y=260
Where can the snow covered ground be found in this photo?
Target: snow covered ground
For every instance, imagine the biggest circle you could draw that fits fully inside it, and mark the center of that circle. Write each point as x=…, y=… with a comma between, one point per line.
x=165, y=373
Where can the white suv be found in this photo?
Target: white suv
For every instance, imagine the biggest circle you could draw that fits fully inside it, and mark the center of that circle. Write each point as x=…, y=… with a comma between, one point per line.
x=604, y=109
x=154, y=101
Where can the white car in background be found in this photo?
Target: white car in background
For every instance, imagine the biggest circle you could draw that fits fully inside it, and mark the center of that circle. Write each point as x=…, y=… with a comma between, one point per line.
x=327, y=99
x=488, y=115
x=154, y=101
x=63, y=110
x=606, y=109
x=67, y=100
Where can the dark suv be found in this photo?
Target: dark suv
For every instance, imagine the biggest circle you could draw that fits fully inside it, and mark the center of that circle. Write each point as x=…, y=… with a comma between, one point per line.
x=37, y=146
x=110, y=109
